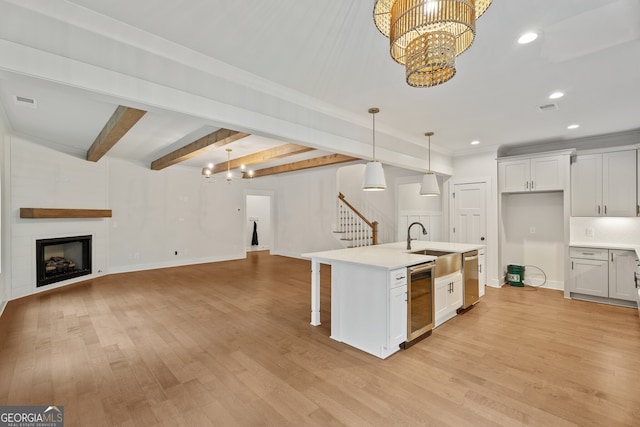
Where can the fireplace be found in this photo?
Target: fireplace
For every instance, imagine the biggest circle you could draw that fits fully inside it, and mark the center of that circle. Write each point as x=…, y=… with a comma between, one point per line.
x=62, y=258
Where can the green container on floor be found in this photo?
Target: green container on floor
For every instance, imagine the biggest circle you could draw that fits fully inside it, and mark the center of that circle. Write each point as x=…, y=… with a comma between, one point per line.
x=515, y=274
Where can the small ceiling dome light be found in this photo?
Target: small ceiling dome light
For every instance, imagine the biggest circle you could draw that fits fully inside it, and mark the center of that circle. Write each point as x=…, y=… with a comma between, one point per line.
x=573, y=126
x=429, y=181
x=373, y=173
x=527, y=38
x=556, y=95
x=476, y=142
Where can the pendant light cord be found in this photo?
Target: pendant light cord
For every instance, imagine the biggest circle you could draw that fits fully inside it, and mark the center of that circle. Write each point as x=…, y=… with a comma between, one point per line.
x=373, y=112
x=428, y=135
x=429, y=153
x=374, y=136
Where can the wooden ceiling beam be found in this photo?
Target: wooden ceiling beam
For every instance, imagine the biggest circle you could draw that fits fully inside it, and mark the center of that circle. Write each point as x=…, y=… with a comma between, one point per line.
x=123, y=119
x=262, y=157
x=330, y=159
x=218, y=138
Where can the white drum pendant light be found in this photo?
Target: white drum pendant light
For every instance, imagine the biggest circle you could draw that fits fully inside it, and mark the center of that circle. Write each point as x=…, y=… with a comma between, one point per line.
x=373, y=173
x=429, y=181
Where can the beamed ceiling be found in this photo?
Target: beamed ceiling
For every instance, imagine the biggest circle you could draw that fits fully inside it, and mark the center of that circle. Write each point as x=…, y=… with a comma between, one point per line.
x=286, y=85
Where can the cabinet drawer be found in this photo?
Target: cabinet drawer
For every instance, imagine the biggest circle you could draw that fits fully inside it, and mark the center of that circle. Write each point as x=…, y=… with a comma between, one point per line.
x=589, y=253
x=397, y=277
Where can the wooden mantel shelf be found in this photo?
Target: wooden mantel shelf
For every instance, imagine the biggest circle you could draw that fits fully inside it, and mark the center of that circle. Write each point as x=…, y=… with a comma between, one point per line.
x=64, y=213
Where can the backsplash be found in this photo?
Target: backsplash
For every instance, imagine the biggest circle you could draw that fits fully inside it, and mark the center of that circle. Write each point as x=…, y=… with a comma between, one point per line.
x=605, y=230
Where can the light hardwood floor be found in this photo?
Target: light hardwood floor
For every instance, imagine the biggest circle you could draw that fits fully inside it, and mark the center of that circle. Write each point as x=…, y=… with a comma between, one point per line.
x=230, y=344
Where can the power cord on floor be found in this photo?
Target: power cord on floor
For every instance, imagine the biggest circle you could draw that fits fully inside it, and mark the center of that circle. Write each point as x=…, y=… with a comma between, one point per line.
x=543, y=274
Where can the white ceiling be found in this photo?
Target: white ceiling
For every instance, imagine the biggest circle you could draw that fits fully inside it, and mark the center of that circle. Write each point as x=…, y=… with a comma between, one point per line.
x=306, y=71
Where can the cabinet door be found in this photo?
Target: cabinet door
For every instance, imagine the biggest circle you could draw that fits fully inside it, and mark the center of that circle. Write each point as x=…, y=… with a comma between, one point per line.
x=622, y=266
x=547, y=173
x=590, y=277
x=456, y=294
x=619, y=183
x=586, y=185
x=397, y=316
x=514, y=176
x=482, y=271
x=441, y=298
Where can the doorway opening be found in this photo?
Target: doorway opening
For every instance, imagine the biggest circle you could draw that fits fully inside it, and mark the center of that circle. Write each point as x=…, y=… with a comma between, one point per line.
x=259, y=223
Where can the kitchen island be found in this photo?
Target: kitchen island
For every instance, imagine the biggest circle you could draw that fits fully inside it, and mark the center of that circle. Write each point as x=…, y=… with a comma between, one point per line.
x=369, y=291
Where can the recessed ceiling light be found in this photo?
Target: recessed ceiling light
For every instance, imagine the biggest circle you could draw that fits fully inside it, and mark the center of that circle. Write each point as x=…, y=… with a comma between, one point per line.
x=476, y=142
x=573, y=126
x=527, y=38
x=556, y=95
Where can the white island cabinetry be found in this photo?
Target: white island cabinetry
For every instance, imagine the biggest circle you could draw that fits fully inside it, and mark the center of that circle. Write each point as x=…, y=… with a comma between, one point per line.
x=369, y=292
x=370, y=311
x=448, y=297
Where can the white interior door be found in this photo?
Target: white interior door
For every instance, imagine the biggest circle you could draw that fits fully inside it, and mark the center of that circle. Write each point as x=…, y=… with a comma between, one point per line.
x=469, y=213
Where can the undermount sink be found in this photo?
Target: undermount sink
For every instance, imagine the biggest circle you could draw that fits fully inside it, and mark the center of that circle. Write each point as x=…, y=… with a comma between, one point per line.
x=431, y=252
x=446, y=262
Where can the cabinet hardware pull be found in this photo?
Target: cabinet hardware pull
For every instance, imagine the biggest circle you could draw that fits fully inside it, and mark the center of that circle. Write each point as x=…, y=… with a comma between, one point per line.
x=598, y=209
x=527, y=186
x=532, y=185
x=572, y=265
x=480, y=267
x=605, y=209
x=612, y=257
x=588, y=253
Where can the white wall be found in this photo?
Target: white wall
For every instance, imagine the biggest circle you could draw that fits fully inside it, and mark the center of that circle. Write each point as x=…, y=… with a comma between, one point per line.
x=533, y=235
x=472, y=168
x=172, y=217
x=258, y=212
x=44, y=178
x=624, y=231
x=305, y=212
x=412, y=207
x=4, y=218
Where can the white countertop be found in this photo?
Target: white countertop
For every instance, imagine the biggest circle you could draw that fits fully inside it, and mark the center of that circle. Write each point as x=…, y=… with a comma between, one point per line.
x=607, y=245
x=390, y=255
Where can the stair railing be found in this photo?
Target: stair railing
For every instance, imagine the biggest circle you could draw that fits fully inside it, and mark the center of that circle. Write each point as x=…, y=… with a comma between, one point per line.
x=356, y=228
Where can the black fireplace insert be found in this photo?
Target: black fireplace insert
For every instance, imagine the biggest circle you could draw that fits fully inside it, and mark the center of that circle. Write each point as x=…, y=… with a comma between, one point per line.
x=62, y=258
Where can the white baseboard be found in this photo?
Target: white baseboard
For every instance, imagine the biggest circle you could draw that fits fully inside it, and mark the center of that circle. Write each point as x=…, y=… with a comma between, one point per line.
x=551, y=284
x=289, y=254
x=177, y=263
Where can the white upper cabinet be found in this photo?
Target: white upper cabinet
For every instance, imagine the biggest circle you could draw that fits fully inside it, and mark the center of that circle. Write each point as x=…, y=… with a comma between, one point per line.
x=604, y=184
x=532, y=174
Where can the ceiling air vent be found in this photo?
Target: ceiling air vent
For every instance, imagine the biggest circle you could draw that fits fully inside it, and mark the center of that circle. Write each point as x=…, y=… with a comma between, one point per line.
x=548, y=107
x=23, y=101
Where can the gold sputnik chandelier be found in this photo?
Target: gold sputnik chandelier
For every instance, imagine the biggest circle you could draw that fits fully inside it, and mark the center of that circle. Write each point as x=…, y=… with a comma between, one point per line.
x=427, y=35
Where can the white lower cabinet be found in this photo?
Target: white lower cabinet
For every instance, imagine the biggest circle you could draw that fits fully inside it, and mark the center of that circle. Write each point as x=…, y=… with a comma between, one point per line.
x=397, y=316
x=369, y=307
x=604, y=273
x=448, y=296
x=482, y=271
x=621, y=274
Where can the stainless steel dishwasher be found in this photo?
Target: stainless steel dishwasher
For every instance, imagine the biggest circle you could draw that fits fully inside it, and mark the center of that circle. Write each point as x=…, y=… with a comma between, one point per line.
x=470, y=277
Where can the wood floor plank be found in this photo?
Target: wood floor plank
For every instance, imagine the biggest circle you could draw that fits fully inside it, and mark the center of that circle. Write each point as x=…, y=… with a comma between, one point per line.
x=230, y=343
